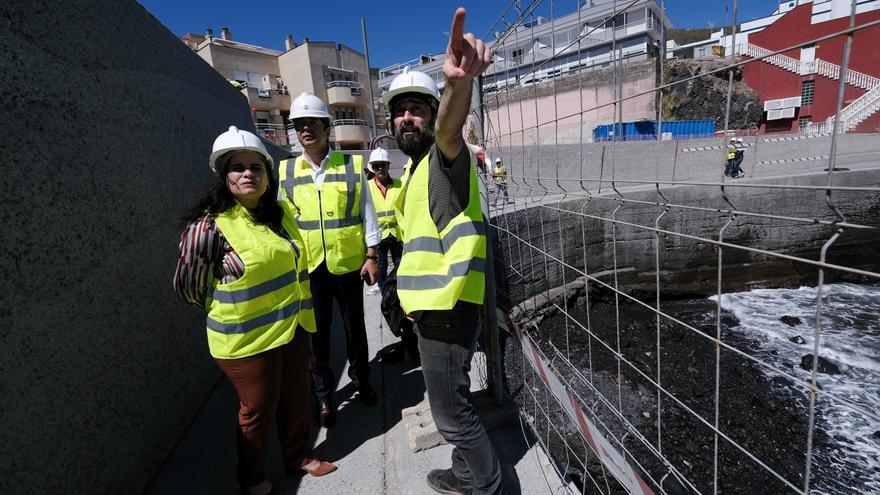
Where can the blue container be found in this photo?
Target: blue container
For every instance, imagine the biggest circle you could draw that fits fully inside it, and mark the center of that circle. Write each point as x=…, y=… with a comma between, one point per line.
x=647, y=130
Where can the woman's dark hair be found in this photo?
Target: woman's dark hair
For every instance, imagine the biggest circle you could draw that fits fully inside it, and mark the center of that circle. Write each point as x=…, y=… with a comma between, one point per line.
x=218, y=199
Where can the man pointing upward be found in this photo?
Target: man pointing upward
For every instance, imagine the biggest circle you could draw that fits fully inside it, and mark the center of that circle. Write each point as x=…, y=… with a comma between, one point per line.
x=441, y=278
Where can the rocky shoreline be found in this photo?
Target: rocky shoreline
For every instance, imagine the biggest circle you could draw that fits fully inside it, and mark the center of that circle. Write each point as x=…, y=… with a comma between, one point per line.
x=760, y=414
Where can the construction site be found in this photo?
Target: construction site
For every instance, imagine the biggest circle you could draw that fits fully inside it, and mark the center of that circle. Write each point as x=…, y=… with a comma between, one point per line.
x=658, y=319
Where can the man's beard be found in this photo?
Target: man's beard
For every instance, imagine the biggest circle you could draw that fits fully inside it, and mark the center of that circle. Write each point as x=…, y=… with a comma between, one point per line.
x=415, y=144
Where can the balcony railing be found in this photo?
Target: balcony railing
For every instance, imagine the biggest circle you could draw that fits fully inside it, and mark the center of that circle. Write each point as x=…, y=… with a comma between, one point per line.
x=356, y=87
x=349, y=122
x=276, y=133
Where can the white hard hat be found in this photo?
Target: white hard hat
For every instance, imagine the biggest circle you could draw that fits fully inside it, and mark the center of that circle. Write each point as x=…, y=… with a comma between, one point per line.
x=411, y=82
x=739, y=140
x=235, y=139
x=308, y=105
x=379, y=155
x=498, y=160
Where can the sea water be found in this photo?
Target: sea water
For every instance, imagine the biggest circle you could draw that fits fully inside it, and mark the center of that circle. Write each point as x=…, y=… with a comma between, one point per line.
x=849, y=335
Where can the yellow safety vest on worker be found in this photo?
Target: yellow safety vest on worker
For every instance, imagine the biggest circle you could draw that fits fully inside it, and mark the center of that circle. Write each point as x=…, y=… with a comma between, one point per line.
x=731, y=152
x=384, y=204
x=439, y=269
x=262, y=309
x=330, y=218
x=500, y=177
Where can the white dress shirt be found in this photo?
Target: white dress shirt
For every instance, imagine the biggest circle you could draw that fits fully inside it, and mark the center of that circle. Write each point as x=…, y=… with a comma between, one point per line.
x=372, y=231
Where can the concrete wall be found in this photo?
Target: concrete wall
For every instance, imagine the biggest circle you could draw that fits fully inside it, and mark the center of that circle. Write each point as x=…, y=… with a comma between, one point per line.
x=581, y=233
x=108, y=121
x=684, y=160
x=512, y=116
x=296, y=71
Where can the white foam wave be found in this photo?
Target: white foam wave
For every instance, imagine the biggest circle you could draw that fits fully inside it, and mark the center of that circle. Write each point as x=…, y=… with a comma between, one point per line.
x=849, y=335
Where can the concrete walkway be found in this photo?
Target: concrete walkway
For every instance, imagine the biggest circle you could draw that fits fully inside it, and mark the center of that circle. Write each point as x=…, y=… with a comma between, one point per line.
x=369, y=445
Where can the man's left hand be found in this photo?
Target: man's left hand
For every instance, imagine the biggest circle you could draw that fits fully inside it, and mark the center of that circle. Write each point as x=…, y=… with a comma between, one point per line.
x=466, y=56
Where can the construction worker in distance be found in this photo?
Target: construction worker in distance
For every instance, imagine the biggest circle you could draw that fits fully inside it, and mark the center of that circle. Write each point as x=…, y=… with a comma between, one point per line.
x=441, y=279
x=384, y=190
x=500, y=176
x=740, y=149
x=336, y=217
x=731, y=156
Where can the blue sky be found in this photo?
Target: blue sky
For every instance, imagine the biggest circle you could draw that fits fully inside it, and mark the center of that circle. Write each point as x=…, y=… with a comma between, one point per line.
x=397, y=30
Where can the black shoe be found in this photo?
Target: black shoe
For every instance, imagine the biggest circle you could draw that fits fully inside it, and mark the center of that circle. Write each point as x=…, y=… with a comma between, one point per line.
x=326, y=414
x=366, y=394
x=444, y=481
x=393, y=353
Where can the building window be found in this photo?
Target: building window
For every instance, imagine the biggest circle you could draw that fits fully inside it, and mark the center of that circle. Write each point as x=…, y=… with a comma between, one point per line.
x=807, y=93
x=803, y=122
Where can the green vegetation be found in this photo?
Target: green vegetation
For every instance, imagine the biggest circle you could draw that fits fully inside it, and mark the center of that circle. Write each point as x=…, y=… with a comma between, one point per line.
x=688, y=35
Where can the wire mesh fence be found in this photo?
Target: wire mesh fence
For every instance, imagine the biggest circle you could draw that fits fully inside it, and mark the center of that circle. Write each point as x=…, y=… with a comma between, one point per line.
x=672, y=328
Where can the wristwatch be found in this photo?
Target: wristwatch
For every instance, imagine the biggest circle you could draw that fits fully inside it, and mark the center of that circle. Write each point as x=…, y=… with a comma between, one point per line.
x=374, y=258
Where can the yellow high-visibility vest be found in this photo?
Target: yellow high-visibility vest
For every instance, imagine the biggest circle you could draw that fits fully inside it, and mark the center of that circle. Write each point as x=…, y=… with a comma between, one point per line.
x=330, y=219
x=385, y=207
x=262, y=309
x=499, y=178
x=438, y=269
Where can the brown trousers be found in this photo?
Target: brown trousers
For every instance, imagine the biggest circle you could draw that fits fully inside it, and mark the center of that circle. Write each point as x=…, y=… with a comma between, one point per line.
x=271, y=385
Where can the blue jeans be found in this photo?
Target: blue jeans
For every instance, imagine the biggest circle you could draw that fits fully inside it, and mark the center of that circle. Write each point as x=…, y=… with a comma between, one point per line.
x=388, y=245
x=447, y=340
x=500, y=190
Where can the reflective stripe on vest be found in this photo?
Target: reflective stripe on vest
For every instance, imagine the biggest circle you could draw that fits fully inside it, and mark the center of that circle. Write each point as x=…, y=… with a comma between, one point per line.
x=330, y=219
x=262, y=309
x=438, y=269
x=384, y=205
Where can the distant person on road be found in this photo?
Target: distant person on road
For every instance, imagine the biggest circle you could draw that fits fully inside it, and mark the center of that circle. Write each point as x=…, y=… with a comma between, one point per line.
x=242, y=258
x=738, y=159
x=500, y=176
x=441, y=279
x=735, y=153
x=731, y=155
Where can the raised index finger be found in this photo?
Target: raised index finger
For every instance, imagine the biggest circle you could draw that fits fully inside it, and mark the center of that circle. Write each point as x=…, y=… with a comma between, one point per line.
x=456, y=33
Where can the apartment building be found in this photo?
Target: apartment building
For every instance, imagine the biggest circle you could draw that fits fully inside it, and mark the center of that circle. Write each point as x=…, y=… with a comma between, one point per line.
x=574, y=44
x=591, y=37
x=270, y=79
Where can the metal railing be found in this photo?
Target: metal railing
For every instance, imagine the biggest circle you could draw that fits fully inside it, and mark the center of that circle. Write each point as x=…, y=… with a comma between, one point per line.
x=345, y=84
x=277, y=133
x=337, y=122
x=819, y=66
x=852, y=115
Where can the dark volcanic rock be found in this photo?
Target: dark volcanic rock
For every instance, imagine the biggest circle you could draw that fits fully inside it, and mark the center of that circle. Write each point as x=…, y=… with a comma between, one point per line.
x=797, y=339
x=752, y=413
x=791, y=320
x=825, y=366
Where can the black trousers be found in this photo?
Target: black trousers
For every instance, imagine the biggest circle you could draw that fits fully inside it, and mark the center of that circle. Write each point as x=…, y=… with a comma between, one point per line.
x=347, y=290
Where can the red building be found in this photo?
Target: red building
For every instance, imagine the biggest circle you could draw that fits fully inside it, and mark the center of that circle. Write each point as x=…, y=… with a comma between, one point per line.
x=799, y=87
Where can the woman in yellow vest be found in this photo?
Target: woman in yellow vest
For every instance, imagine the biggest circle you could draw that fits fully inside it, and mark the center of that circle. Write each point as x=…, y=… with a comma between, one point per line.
x=242, y=260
